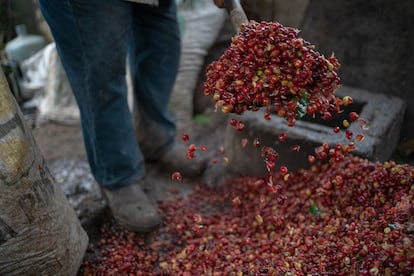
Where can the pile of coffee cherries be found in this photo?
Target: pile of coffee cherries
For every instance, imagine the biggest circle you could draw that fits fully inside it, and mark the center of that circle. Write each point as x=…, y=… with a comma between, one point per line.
x=268, y=65
x=352, y=217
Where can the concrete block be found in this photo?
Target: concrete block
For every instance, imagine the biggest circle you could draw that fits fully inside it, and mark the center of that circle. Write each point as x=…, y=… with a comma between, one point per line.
x=384, y=115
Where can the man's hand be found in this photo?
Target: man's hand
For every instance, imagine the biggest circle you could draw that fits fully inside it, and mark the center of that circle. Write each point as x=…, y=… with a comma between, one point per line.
x=219, y=3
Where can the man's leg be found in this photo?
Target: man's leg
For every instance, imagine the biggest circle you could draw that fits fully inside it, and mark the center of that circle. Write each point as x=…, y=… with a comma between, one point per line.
x=92, y=40
x=154, y=60
x=154, y=57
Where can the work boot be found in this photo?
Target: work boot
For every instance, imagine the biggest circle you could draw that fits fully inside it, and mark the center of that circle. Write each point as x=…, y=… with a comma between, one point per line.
x=175, y=159
x=132, y=209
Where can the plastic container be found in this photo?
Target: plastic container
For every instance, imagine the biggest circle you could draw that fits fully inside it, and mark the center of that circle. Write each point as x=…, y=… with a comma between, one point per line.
x=24, y=45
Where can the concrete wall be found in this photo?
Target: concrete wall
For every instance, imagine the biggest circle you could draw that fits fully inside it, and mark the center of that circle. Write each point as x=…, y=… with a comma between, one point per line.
x=373, y=40
x=289, y=13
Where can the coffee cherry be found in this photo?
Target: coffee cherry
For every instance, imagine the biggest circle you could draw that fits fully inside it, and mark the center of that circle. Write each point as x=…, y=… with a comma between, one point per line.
x=363, y=124
x=176, y=176
x=311, y=159
x=270, y=166
x=327, y=116
x=348, y=134
x=345, y=123
x=197, y=218
x=257, y=143
x=283, y=170
x=259, y=219
x=353, y=116
x=192, y=148
x=347, y=100
x=360, y=137
x=190, y=155
x=282, y=137
x=185, y=137
x=236, y=201
x=239, y=126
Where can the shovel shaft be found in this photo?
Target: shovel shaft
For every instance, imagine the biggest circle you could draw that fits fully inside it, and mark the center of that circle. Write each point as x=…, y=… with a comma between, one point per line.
x=236, y=12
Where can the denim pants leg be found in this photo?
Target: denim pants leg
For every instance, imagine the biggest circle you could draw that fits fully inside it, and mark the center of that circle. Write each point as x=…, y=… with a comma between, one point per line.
x=154, y=57
x=92, y=38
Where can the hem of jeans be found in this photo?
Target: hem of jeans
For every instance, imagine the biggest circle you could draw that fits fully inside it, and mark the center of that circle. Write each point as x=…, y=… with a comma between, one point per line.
x=134, y=178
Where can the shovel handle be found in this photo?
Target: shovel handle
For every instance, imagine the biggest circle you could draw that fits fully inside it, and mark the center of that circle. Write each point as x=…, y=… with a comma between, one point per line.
x=236, y=12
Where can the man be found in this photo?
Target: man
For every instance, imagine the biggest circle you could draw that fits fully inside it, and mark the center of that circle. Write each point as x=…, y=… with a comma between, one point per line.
x=93, y=39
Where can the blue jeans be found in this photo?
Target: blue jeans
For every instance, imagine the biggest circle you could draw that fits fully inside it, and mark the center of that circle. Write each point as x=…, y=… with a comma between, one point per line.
x=93, y=39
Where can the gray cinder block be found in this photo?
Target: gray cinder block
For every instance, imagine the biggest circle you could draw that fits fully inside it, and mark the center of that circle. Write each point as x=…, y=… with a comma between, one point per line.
x=384, y=115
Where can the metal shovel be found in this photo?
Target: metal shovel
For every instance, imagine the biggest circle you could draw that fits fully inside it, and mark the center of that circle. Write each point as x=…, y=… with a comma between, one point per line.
x=236, y=13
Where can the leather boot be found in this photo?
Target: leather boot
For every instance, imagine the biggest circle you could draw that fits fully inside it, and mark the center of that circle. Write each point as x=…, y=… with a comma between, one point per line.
x=132, y=209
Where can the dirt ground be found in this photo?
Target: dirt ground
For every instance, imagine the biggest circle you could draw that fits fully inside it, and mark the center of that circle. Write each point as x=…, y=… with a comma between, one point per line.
x=57, y=140
x=63, y=149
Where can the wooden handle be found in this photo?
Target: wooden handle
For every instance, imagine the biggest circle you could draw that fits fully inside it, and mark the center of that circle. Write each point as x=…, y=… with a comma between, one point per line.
x=236, y=12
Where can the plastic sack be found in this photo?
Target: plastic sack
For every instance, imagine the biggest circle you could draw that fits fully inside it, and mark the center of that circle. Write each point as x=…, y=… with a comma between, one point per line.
x=202, y=23
x=44, y=74
x=40, y=233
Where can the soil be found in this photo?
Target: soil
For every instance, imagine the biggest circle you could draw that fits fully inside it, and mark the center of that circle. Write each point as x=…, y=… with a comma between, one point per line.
x=63, y=149
x=57, y=140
